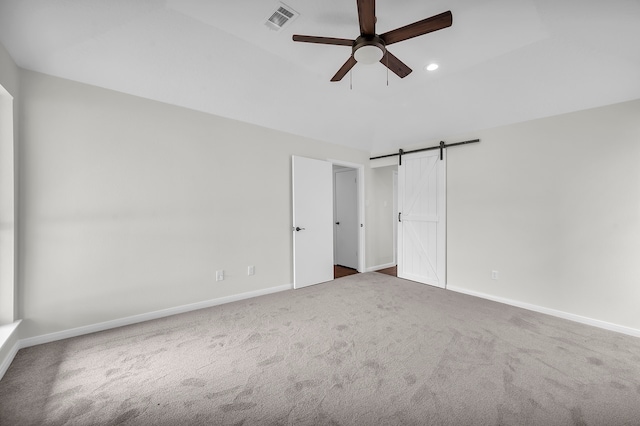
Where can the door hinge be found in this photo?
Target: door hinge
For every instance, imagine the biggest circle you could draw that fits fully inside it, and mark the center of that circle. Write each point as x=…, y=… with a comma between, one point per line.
x=399, y=216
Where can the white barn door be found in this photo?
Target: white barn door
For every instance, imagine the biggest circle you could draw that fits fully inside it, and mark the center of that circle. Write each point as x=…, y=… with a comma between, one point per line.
x=312, y=221
x=422, y=218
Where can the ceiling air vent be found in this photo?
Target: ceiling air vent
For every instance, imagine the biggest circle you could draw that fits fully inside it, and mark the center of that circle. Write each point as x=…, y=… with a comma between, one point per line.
x=281, y=17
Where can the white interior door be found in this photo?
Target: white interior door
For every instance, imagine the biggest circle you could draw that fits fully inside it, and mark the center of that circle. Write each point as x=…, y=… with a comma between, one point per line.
x=346, y=218
x=312, y=221
x=422, y=218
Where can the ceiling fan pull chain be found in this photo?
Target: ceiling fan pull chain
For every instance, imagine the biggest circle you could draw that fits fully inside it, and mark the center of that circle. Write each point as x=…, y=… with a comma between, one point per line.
x=351, y=79
x=387, y=70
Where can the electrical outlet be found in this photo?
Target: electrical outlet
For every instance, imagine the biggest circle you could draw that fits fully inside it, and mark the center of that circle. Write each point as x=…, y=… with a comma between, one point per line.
x=494, y=275
x=220, y=275
x=251, y=270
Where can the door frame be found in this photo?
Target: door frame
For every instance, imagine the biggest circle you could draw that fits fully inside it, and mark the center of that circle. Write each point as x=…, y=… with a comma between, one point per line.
x=361, y=243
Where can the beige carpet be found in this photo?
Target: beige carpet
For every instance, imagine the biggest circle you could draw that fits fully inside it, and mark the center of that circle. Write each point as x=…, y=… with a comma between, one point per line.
x=366, y=349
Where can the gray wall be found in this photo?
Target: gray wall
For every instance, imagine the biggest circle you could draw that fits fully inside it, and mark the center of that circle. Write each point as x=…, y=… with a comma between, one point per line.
x=9, y=74
x=380, y=217
x=554, y=206
x=130, y=206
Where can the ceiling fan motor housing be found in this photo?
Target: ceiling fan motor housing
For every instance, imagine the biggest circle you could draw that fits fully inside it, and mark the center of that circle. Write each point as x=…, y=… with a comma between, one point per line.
x=368, y=49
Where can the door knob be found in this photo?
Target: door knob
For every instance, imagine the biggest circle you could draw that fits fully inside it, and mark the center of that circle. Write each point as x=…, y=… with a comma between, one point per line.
x=337, y=223
x=299, y=229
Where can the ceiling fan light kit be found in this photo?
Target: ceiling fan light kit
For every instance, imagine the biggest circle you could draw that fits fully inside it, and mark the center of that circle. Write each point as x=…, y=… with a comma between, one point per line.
x=370, y=47
x=368, y=50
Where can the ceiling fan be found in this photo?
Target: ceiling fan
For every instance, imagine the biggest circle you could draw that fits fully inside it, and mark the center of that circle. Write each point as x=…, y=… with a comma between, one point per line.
x=370, y=47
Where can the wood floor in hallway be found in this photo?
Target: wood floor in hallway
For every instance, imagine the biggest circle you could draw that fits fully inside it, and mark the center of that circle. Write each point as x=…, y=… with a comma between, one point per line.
x=342, y=271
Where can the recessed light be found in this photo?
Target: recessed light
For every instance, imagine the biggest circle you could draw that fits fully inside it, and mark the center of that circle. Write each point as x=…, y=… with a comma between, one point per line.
x=431, y=67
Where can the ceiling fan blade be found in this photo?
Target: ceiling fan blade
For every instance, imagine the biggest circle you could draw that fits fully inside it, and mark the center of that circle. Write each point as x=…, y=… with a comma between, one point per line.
x=419, y=28
x=395, y=65
x=323, y=40
x=367, y=17
x=345, y=69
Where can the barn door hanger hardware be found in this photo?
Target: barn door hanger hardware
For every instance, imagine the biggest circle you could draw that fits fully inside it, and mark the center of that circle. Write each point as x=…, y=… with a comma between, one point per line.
x=400, y=152
x=441, y=147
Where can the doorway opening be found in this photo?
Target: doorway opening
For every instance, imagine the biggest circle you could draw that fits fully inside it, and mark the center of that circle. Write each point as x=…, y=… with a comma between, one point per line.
x=313, y=224
x=345, y=221
x=347, y=224
x=393, y=270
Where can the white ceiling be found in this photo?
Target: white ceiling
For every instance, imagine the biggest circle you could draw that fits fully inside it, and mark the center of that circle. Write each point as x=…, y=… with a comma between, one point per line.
x=502, y=61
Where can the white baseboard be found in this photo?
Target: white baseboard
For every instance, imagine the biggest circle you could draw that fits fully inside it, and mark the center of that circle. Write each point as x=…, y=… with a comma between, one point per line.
x=79, y=331
x=553, y=312
x=6, y=331
x=8, y=359
x=378, y=267
x=107, y=325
